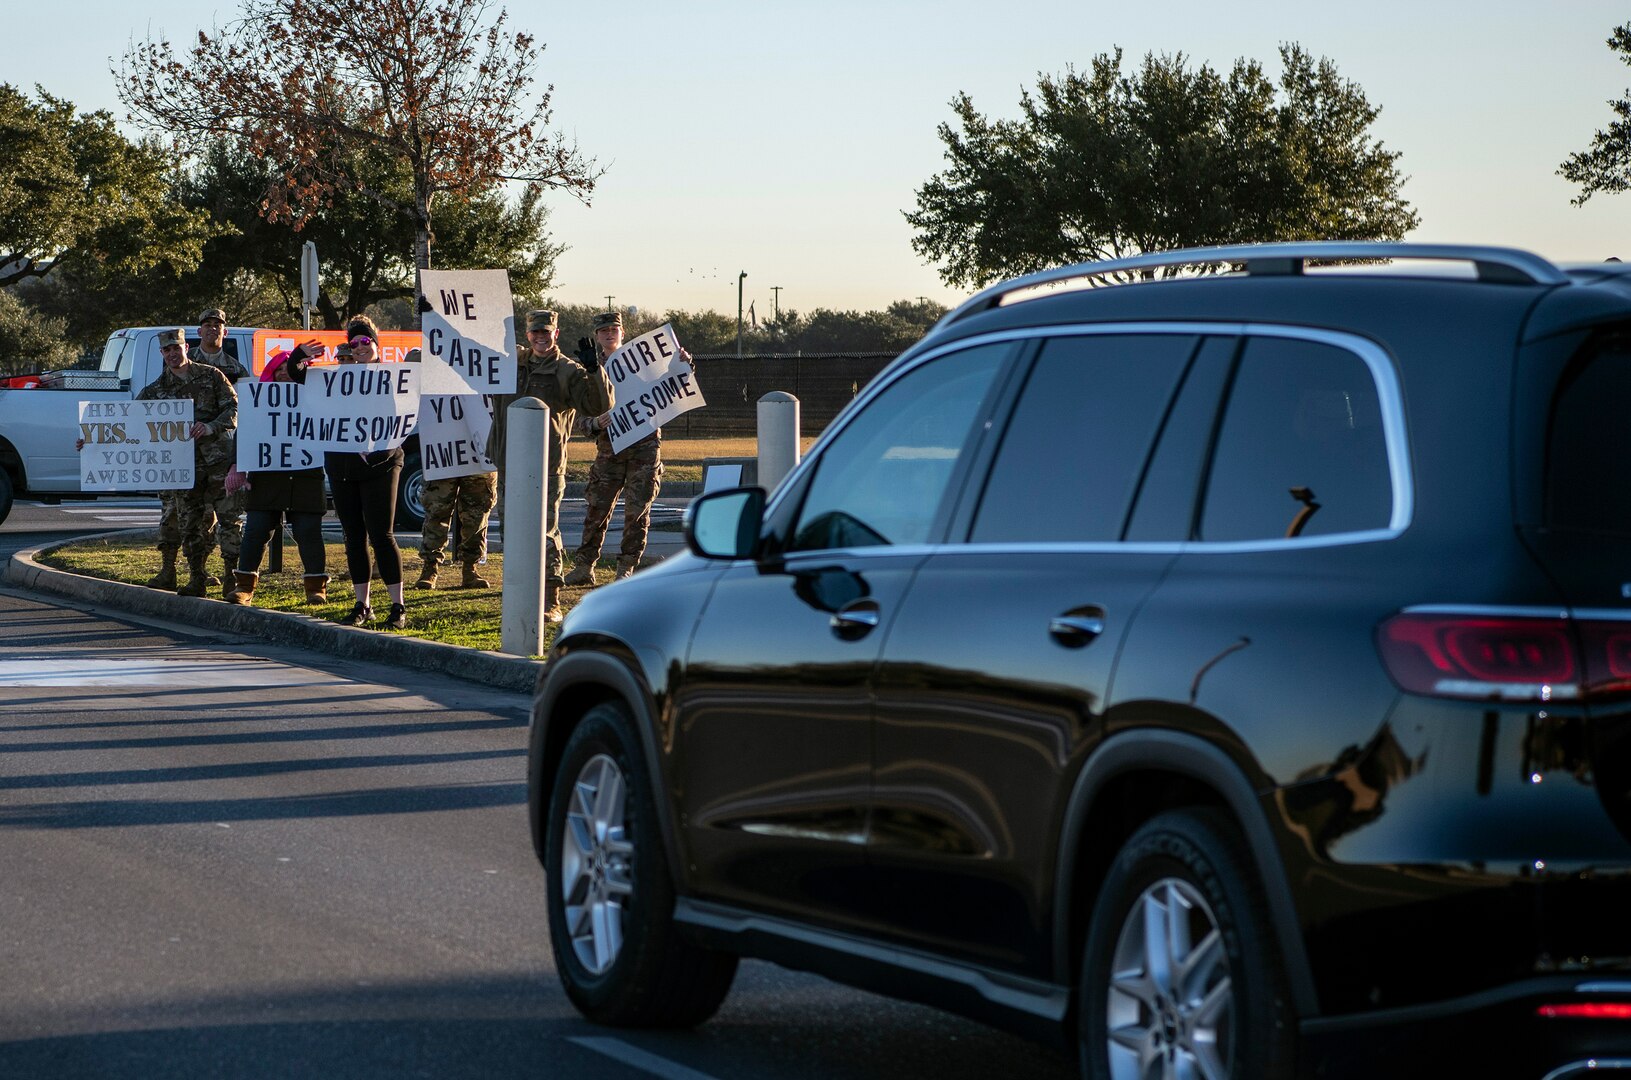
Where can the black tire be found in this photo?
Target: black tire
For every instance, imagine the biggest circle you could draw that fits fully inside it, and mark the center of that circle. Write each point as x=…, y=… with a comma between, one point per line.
x=410, y=493
x=647, y=975
x=5, y=494
x=1231, y=1015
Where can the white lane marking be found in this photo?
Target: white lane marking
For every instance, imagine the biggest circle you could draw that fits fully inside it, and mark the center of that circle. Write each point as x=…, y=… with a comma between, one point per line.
x=224, y=675
x=640, y=1059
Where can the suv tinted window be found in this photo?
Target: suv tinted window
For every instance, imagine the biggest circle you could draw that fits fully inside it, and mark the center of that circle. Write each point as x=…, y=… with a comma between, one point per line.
x=1077, y=442
x=881, y=479
x=1301, y=450
x=1588, y=435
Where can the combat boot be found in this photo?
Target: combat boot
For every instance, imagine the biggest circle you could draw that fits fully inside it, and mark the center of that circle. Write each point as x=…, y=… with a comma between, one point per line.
x=166, y=577
x=245, y=591
x=427, y=575
x=198, y=582
x=472, y=578
x=625, y=567
x=552, y=605
x=316, y=588
x=583, y=573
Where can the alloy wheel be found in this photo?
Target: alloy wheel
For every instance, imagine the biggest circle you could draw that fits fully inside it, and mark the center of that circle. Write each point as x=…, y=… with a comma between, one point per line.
x=1171, y=998
x=596, y=876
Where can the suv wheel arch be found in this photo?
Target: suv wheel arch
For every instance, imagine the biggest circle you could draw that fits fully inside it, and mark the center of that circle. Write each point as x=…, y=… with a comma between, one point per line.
x=576, y=682
x=1206, y=774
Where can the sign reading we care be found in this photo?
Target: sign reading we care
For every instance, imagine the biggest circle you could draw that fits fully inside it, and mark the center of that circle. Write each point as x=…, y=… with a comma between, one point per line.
x=468, y=321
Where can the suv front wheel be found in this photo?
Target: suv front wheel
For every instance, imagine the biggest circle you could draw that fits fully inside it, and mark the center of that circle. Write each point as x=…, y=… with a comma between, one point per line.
x=611, y=898
x=1180, y=977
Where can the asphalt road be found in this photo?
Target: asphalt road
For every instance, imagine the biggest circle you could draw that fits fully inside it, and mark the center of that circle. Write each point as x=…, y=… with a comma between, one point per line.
x=223, y=859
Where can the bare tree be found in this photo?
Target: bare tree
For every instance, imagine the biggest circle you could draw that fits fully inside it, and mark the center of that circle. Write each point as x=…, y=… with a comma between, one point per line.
x=441, y=85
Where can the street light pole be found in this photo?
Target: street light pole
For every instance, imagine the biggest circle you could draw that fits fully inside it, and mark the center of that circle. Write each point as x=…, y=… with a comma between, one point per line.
x=740, y=278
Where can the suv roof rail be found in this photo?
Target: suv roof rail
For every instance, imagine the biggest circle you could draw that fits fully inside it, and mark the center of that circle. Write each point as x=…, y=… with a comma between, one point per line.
x=1506, y=266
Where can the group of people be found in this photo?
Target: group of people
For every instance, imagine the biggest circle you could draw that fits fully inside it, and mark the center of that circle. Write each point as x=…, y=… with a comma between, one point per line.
x=241, y=512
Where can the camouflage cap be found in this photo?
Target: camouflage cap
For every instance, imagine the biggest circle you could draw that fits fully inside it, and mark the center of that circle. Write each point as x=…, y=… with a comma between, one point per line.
x=212, y=313
x=608, y=318
x=342, y=352
x=172, y=337
x=542, y=320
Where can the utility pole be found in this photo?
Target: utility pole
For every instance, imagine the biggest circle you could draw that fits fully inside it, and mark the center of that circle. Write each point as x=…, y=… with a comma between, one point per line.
x=776, y=292
x=740, y=278
x=609, y=304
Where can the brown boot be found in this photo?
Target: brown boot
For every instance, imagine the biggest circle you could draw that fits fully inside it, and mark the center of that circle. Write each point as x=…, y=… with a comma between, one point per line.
x=552, y=606
x=583, y=573
x=316, y=588
x=625, y=567
x=427, y=576
x=245, y=591
x=198, y=582
x=166, y=577
x=473, y=580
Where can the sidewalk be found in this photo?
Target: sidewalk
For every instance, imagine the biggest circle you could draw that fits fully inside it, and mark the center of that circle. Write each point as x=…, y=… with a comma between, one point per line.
x=495, y=669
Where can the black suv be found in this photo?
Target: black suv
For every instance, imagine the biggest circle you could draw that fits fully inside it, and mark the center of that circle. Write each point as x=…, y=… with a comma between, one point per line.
x=1222, y=674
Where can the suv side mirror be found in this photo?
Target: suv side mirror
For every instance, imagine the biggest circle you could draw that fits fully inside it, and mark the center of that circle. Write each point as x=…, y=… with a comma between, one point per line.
x=725, y=524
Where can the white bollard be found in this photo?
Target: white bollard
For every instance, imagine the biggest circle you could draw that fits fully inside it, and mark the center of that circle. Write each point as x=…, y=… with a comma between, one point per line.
x=778, y=437
x=526, y=466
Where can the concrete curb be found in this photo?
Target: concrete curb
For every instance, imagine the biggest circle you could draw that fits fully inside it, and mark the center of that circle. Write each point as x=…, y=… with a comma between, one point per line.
x=498, y=670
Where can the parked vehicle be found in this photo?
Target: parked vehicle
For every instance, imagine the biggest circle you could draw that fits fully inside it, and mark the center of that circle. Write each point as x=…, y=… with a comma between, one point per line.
x=1221, y=675
x=39, y=413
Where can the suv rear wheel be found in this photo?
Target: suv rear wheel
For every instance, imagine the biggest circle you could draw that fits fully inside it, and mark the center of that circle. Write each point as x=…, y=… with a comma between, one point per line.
x=611, y=898
x=1181, y=976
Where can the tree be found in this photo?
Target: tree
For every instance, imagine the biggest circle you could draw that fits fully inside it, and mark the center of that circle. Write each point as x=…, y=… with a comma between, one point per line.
x=1104, y=164
x=436, y=85
x=1606, y=167
x=73, y=190
x=30, y=341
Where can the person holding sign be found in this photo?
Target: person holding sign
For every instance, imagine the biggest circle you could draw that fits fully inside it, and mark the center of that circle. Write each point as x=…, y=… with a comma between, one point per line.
x=295, y=492
x=566, y=386
x=364, y=488
x=635, y=470
x=215, y=417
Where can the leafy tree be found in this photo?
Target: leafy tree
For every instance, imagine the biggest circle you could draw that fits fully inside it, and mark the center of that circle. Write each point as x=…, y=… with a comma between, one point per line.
x=435, y=85
x=30, y=341
x=75, y=191
x=1606, y=167
x=1104, y=164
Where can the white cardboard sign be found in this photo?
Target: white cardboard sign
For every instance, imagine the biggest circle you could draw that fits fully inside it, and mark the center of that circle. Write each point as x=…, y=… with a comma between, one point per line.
x=468, y=321
x=651, y=385
x=453, y=436
x=136, y=445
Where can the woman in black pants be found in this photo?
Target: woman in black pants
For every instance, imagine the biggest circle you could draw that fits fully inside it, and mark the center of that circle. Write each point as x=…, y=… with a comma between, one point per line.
x=364, y=489
x=295, y=492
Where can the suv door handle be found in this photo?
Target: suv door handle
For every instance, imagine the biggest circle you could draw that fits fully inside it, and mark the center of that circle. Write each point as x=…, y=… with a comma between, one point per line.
x=856, y=619
x=1075, y=629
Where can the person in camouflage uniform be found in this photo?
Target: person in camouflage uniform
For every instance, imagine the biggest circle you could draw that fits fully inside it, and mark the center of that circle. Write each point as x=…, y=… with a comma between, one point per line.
x=472, y=499
x=567, y=387
x=229, y=512
x=636, y=471
x=215, y=419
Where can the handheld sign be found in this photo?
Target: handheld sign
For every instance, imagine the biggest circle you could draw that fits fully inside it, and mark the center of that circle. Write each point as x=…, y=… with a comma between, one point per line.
x=135, y=445
x=469, y=328
x=651, y=385
x=271, y=424
x=453, y=436
x=360, y=407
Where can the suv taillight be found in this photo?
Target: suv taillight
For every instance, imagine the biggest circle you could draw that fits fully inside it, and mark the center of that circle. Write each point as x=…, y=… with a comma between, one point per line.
x=1510, y=658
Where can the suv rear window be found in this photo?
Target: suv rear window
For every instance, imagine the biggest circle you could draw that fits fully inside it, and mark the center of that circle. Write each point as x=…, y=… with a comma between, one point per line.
x=1301, y=452
x=1589, y=441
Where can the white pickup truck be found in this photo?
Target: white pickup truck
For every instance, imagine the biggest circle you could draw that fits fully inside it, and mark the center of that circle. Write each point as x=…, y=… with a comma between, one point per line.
x=39, y=417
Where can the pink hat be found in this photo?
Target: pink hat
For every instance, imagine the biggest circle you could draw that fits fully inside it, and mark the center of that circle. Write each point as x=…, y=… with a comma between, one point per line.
x=276, y=361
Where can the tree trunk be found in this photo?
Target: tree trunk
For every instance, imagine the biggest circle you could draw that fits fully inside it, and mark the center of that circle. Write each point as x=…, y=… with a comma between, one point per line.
x=421, y=249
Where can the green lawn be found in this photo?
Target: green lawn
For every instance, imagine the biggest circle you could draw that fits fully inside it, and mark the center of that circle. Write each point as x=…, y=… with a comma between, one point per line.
x=468, y=617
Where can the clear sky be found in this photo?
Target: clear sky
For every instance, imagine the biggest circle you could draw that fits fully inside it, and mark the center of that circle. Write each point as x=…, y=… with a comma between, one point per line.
x=786, y=139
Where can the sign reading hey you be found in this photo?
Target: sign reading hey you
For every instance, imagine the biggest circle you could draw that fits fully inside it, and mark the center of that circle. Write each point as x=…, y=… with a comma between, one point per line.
x=651, y=385
x=135, y=445
x=469, y=329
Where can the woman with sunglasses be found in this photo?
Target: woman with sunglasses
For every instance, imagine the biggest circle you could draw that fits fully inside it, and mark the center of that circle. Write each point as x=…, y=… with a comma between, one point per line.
x=364, y=489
